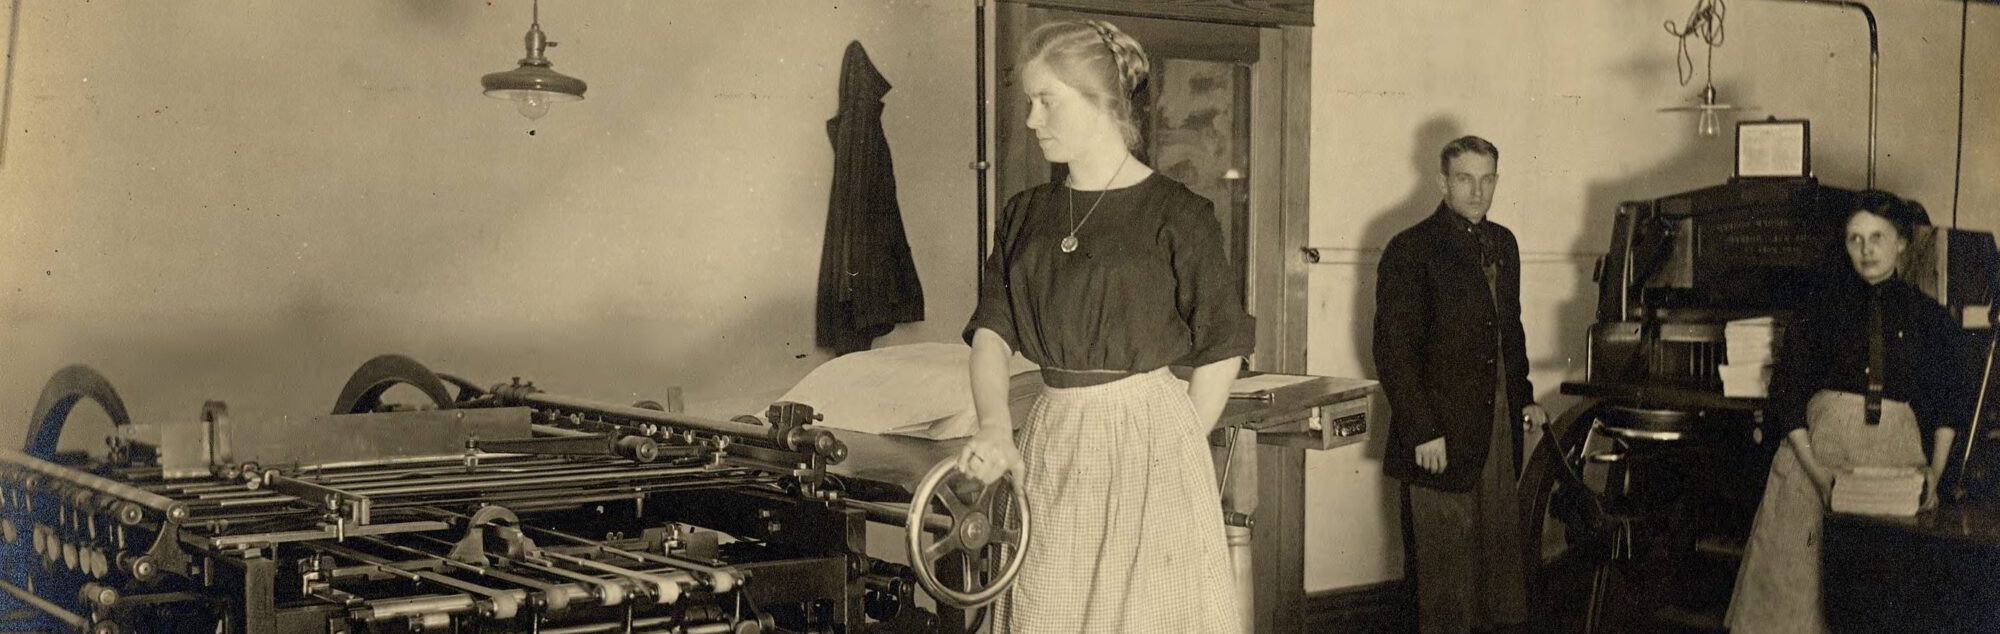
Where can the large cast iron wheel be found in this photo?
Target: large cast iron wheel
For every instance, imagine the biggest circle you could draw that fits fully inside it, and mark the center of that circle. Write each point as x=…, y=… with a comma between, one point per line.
x=1564, y=506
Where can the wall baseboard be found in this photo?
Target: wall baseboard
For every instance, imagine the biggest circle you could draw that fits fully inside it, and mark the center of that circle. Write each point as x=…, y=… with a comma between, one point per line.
x=1386, y=607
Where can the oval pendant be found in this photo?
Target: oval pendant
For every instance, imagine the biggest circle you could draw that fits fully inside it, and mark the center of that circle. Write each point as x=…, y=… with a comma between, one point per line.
x=1068, y=244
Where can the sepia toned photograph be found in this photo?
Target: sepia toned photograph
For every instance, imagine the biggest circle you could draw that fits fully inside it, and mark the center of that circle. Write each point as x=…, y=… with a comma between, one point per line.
x=999, y=316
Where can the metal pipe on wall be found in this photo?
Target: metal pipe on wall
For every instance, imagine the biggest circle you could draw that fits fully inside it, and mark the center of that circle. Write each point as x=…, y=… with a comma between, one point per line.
x=1874, y=73
x=980, y=166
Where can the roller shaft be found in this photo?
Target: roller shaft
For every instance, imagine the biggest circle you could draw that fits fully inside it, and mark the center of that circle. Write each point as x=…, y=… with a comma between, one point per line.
x=168, y=507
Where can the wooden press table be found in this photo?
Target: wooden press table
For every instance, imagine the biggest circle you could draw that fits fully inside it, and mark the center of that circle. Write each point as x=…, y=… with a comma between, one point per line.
x=1268, y=483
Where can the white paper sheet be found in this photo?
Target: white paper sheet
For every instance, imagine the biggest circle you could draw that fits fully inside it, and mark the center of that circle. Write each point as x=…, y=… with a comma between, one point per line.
x=913, y=390
x=1262, y=382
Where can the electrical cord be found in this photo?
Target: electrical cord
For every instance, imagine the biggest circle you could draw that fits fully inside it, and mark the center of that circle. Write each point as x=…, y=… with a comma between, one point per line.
x=1704, y=21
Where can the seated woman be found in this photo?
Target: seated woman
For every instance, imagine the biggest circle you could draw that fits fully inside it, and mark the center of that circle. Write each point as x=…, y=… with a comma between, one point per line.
x=1867, y=377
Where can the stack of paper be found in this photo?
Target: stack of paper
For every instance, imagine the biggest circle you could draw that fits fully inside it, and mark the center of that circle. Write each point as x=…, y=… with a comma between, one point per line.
x=1896, y=491
x=1751, y=345
x=912, y=390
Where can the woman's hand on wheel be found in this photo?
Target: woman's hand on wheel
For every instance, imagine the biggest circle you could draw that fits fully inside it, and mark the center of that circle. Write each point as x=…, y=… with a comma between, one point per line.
x=991, y=453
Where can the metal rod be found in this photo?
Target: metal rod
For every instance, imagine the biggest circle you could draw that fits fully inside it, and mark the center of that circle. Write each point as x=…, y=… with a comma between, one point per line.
x=460, y=474
x=396, y=608
x=803, y=438
x=552, y=430
x=1874, y=73
x=559, y=498
x=545, y=399
x=66, y=616
x=241, y=502
x=503, y=601
x=614, y=472
x=238, y=494
x=566, y=591
x=596, y=628
x=442, y=460
x=488, y=464
x=720, y=579
x=668, y=585
x=898, y=514
x=249, y=539
x=979, y=164
x=477, y=485
x=174, y=510
x=609, y=592
x=1978, y=409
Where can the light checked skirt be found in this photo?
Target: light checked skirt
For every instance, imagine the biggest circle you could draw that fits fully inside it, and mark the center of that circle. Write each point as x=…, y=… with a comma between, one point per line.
x=1128, y=533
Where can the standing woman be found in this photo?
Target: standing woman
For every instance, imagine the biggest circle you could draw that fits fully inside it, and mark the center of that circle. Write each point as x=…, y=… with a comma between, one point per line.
x=1104, y=280
x=1869, y=376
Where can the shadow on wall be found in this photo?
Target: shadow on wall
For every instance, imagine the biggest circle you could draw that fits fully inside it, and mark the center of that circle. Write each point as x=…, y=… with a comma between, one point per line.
x=1422, y=200
x=1386, y=223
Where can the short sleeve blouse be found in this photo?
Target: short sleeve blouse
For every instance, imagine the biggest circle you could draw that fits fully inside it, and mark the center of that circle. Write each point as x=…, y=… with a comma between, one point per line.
x=1149, y=284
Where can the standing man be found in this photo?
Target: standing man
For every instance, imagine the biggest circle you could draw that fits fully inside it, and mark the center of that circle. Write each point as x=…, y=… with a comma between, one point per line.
x=1449, y=351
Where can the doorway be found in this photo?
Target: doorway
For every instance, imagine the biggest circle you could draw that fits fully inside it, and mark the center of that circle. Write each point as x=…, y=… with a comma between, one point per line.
x=1225, y=113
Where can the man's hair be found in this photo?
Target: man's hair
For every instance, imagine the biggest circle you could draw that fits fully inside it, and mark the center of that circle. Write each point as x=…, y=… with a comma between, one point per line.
x=1462, y=145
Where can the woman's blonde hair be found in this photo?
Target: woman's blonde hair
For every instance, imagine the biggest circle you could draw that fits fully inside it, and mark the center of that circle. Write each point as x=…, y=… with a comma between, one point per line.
x=1097, y=59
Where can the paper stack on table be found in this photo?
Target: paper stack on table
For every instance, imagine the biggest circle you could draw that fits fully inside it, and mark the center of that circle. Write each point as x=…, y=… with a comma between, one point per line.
x=1896, y=491
x=920, y=390
x=1751, y=347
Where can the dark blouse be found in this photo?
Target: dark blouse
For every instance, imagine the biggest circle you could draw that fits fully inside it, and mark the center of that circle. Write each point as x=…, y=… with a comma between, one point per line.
x=1826, y=348
x=1148, y=285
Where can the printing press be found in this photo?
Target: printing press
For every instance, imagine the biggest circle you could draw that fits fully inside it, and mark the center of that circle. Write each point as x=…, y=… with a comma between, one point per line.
x=478, y=509
x=1651, y=480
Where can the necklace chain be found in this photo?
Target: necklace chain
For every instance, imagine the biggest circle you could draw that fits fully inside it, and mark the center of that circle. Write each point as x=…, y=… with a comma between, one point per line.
x=1069, y=242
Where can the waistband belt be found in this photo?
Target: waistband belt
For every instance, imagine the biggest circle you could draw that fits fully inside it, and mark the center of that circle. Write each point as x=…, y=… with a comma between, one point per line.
x=1058, y=377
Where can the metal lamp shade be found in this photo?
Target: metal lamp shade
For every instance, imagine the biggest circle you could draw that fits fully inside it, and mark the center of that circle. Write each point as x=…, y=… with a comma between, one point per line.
x=533, y=78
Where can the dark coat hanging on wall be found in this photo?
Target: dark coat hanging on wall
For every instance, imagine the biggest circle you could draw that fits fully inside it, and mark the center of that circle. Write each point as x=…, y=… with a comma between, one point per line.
x=867, y=280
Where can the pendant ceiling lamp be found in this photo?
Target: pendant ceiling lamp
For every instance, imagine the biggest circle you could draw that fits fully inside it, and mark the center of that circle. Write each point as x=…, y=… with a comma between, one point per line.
x=1704, y=22
x=533, y=86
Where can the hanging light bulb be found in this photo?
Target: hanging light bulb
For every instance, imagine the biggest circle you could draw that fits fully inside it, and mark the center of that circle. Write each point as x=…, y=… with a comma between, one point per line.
x=1709, y=124
x=1704, y=22
x=1709, y=111
x=532, y=104
x=533, y=86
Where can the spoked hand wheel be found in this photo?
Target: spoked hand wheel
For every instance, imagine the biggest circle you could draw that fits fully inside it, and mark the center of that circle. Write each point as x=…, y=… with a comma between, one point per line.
x=973, y=531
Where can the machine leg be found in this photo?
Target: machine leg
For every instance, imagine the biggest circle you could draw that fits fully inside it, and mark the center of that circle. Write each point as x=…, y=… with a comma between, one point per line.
x=258, y=610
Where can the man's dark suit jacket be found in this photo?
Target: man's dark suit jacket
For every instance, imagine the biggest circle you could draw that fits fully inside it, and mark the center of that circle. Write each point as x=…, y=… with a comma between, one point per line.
x=1437, y=336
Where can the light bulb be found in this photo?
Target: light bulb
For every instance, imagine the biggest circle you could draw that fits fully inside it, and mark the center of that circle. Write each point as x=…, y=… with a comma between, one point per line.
x=531, y=103
x=1708, y=126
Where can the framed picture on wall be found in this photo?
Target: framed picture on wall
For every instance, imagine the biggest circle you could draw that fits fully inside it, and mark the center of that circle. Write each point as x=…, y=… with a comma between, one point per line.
x=1774, y=148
